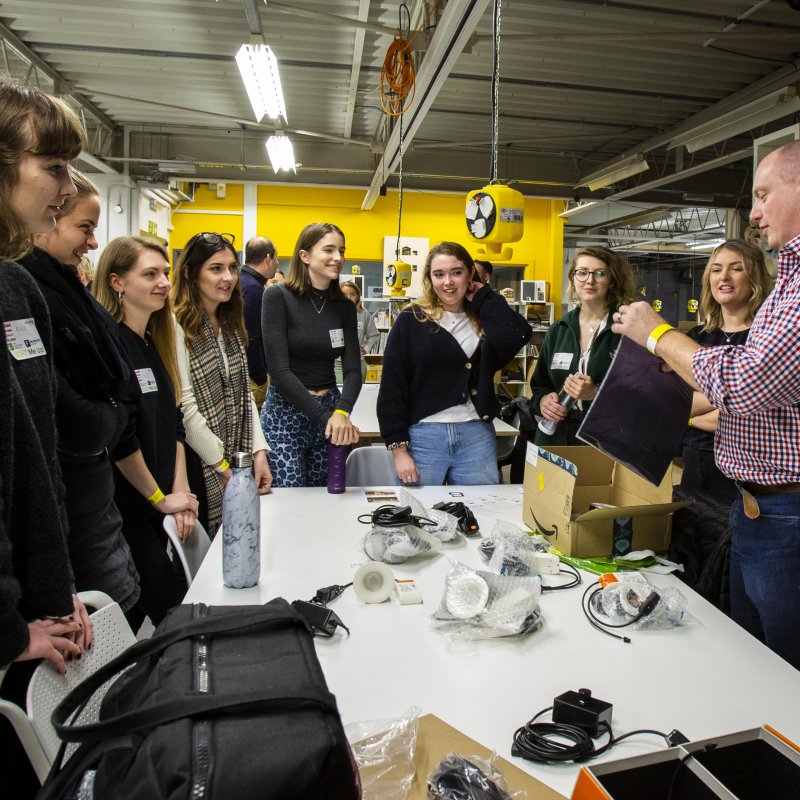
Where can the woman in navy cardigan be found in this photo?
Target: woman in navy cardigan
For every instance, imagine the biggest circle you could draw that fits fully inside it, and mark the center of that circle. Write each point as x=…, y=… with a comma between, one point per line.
x=436, y=401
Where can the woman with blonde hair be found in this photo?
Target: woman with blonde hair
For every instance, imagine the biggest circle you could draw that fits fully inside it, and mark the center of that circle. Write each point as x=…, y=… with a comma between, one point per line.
x=307, y=324
x=436, y=401
x=735, y=284
x=219, y=412
x=577, y=349
x=132, y=283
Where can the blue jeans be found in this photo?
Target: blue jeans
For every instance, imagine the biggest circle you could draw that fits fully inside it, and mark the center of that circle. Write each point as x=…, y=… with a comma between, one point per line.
x=765, y=573
x=459, y=453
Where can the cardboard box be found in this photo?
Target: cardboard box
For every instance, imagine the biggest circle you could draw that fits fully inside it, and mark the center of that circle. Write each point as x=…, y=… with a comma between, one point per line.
x=435, y=739
x=561, y=483
x=758, y=763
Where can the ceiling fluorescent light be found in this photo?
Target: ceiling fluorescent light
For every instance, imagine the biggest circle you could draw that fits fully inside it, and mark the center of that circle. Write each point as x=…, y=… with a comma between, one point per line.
x=617, y=171
x=259, y=69
x=281, y=153
x=574, y=208
x=177, y=167
x=706, y=245
x=766, y=109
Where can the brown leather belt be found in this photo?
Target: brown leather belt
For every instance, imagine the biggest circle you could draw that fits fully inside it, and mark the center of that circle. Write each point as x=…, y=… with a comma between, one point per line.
x=778, y=488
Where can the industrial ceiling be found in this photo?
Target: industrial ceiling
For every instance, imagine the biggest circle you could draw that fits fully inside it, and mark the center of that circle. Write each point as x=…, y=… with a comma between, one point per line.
x=583, y=85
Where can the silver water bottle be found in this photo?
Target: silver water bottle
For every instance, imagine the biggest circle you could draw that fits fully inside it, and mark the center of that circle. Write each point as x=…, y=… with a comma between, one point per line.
x=241, y=526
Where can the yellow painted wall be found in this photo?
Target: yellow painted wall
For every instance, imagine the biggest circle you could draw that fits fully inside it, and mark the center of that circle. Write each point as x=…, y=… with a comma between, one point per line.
x=283, y=211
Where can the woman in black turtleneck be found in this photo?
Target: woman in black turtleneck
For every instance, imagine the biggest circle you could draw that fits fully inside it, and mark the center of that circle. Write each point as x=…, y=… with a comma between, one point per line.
x=307, y=323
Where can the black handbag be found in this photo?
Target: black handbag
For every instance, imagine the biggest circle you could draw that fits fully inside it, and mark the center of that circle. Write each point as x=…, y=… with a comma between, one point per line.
x=222, y=703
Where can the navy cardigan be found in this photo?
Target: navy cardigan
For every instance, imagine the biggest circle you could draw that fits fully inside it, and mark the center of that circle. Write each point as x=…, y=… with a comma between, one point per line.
x=426, y=371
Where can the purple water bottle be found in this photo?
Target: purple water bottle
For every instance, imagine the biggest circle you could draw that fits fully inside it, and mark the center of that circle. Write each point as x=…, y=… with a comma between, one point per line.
x=337, y=455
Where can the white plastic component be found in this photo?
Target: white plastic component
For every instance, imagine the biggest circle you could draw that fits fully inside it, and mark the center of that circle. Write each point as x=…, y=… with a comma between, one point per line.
x=374, y=582
x=467, y=596
x=407, y=593
x=545, y=563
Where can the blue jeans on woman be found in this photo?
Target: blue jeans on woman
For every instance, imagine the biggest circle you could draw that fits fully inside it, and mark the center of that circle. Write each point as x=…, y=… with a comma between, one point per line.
x=765, y=572
x=462, y=453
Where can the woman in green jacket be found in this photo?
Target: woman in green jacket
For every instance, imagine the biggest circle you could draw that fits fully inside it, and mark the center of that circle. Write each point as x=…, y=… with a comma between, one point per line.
x=577, y=350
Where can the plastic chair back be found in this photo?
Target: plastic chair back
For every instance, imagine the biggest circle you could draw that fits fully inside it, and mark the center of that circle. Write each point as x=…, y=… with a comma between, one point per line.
x=190, y=553
x=370, y=466
x=47, y=688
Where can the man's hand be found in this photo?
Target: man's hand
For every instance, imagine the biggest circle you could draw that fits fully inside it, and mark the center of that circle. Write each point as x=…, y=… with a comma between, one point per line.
x=636, y=321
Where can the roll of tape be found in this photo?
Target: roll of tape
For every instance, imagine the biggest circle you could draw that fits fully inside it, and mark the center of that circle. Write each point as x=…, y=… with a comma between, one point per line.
x=373, y=582
x=467, y=596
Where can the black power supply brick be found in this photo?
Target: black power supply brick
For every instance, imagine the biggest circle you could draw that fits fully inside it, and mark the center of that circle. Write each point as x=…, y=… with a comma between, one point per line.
x=583, y=711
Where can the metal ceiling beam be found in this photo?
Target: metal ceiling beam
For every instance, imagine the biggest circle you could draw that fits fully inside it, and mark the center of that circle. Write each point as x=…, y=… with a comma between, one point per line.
x=62, y=85
x=253, y=18
x=452, y=34
x=355, y=71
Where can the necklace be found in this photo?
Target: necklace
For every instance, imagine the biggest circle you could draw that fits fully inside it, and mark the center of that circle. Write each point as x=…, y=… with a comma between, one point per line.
x=593, y=328
x=311, y=298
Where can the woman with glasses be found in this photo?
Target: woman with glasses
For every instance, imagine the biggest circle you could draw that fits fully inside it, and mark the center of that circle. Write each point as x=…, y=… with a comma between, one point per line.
x=132, y=283
x=437, y=401
x=95, y=406
x=219, y=412
x=577, y=350
x=307, y=324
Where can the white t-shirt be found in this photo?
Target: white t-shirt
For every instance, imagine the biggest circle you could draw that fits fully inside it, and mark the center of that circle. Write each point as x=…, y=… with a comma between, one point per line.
x=458, y=325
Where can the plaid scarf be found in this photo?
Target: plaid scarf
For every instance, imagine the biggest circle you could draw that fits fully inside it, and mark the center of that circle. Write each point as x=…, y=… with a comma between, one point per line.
x=224, y=401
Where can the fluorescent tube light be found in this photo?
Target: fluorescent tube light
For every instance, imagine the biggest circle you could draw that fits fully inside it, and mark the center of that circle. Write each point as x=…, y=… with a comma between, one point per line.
x=766, y=109
x=574, y=208
x=259, y=69
x=281, y=153
x=706, y=245
x=617, y=171
x=177, y=167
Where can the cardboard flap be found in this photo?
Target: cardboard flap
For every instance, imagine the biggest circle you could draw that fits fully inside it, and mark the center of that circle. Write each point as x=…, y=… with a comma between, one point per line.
x=550, y=503
x=632, y=511
x=594, y=469
x=639, y=487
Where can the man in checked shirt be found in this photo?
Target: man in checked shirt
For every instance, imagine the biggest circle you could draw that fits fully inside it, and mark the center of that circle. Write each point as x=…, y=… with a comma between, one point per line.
x=757, y=391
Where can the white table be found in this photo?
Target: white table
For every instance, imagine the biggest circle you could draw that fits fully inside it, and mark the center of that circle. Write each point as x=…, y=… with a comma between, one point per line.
x=705, y=678
x=365, y=416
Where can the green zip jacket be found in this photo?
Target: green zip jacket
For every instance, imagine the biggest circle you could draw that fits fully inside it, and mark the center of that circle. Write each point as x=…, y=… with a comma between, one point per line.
x=558, y=358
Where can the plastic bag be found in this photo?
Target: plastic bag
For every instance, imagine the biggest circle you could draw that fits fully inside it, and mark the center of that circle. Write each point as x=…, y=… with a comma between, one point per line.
x=473, y=778
x=446, y=527
x=485, y=605
x=384, y=752
x=395, y=545
x=509, y=550
x=622, y=598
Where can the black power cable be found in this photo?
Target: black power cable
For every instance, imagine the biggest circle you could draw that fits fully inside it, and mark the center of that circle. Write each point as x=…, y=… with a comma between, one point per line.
x=389, y=516
x=544, y=741
x=647, y=607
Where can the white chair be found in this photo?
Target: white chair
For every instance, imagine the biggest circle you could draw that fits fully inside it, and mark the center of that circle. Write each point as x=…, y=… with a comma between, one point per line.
x=370, y=466
x=191, y=553
x=112, y=635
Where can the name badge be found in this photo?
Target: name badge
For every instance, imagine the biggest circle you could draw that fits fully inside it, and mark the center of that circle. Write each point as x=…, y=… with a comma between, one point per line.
x=147, y=381
x=561, y=361
x=337, y=337
x=23, y=340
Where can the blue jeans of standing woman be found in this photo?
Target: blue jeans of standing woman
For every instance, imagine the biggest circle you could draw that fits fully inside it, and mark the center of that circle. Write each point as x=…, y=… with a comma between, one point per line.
x=765, y=572
x=454, y=452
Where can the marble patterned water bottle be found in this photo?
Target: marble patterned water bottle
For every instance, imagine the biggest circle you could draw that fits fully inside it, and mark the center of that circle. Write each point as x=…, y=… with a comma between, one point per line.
x=241, y=526
x=337, y=455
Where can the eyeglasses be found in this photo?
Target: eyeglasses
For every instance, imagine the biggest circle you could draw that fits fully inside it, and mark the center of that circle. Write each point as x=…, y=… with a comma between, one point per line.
x=216, y=238
x=582, y=275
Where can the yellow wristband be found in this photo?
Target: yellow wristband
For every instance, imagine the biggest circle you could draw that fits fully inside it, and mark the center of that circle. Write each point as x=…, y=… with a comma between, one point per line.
x=156, y=497
x=340, y=411
x=656, y=334
x=222, y=467
x=691, y=422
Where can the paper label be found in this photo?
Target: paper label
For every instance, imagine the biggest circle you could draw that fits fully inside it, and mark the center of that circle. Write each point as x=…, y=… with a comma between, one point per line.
x=23, y=340
x=147, y=381
x=561, y=361
x=337, y=337
x=531, y=453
